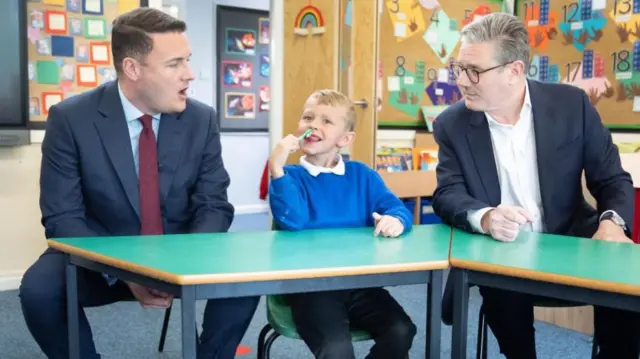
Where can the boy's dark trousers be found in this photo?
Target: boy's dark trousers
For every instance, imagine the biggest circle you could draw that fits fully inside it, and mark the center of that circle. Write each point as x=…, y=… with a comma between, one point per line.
x=324, y=321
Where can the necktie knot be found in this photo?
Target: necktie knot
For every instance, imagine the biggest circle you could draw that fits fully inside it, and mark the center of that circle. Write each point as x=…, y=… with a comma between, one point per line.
x=146, y=121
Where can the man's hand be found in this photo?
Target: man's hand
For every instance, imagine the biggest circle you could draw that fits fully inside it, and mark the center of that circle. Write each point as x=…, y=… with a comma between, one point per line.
x=150, y=298
x=503, y=223
x=278, y=158
x=388, y=226
x=611, y=232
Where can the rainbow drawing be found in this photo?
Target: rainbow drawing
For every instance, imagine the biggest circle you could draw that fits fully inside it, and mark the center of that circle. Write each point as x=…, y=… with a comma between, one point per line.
x=309, y=20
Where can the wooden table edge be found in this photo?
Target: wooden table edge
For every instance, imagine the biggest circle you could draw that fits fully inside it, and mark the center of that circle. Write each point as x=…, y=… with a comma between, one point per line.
x=249, y=277
x=620, y=288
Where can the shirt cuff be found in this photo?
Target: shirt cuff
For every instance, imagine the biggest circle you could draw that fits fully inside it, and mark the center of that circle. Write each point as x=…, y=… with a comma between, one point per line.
x=605, y=212
x=475, y=218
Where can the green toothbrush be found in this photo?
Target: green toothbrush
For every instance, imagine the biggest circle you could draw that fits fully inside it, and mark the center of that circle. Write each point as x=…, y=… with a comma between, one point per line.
x=305, y=134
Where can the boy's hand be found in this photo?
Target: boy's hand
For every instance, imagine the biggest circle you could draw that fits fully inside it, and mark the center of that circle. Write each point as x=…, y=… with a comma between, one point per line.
x=278, y=158
x=388, y=226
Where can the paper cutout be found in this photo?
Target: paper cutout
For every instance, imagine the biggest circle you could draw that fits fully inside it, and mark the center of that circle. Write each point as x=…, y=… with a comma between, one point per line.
x=443, y=93
x=31, y=71
x=92, y=7
x=59, y=62
x=49, y=99
x=393, y=83
x=240, y=41
x=107, y=74
x=99, y=53
x=264, y=30
x=477, y=13
x=37, y=19
x=95, y=29
x=74, y=5
x=309, y=20
x=348, y=13
x=440, y=37
x=55, y=22
x=264, y=65
x=43, y=46
x=86, y=75
x=237, y=73
x=66, y=86
x=581, y=31
x=264, y=96
x=82, y=53
x=75, y=26
x=33, y=34
x=429, y=4
x=595, y=87
x=67, y=72
x=47, y=72
x=62, y=46
x=54, y=2
x=430, y=113
x=127, y=5
x=408, y=98
x=34, y=106
x=406, y=18
x=239, y=105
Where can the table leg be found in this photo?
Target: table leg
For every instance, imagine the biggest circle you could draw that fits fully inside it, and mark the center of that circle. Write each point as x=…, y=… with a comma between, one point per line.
x=188, y=305
x=434, y=308
x=73, y=321
x=460, y=314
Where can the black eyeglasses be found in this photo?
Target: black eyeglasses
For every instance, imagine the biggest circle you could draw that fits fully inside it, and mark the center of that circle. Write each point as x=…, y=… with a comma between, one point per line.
x=472, y=74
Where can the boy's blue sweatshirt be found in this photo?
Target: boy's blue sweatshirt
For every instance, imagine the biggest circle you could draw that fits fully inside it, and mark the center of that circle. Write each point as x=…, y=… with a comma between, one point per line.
x=301, y=201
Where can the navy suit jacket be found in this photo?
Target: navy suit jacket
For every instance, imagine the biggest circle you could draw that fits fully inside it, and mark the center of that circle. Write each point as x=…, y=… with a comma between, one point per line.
x=569, y=137
x=88, y=181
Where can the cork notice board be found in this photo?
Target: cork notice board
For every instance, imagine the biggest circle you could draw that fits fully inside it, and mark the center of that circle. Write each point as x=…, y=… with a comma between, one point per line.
x=69, y=49
x=591, y=44
x=418, y=41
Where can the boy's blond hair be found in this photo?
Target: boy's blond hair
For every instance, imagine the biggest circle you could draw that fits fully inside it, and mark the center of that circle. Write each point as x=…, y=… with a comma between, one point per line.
x=335, y=98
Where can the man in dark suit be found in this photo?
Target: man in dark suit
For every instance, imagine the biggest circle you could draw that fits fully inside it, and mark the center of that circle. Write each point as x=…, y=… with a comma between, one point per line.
x=511, y=158
x=103, y=174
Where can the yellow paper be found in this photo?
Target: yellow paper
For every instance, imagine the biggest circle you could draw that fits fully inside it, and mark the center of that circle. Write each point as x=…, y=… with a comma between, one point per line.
x=127, y=5
x=54, y=2
x=407, y=18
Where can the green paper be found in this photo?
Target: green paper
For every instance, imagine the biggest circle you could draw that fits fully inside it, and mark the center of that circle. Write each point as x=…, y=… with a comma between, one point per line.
x=101, y=35
x=48, y=72
x=408, y=98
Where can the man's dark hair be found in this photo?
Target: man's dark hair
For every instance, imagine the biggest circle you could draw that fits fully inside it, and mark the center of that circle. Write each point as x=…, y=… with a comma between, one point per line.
x=130, y=33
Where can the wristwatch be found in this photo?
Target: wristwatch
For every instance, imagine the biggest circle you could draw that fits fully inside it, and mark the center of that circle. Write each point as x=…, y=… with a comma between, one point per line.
x=615, y=218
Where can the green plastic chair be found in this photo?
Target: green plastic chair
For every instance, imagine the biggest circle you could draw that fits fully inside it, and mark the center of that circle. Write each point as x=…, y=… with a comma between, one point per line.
x=280, y=323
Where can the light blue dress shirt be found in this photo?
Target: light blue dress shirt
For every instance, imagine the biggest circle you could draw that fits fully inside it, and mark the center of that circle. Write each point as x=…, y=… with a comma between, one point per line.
x=131, y=115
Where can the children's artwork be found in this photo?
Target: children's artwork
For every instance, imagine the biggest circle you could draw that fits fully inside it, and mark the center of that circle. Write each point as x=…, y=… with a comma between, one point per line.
x=92, y=7
x=67, y=72
x=107, y=74
x=405, y=93
x=265, y=97
x=237, y=73
x=82, y=53
x=87, y=75
x=239, y=105
x=442, y=36
x=47, y=72
x=95, y=29
x=32, y=71
x=36, y=18
x=99, y=53
x=309, y=21
x=407, y=20
x=62, y=46
x=75, y=26
x=55, y=22
x=34, y=106
x=43, y=46
x=264, y=65
x=74, y=5
x=264, y=30
x=49, y=99
x=240, y=42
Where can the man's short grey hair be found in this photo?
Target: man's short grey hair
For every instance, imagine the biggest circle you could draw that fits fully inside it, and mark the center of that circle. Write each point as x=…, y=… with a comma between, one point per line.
x=507, y=32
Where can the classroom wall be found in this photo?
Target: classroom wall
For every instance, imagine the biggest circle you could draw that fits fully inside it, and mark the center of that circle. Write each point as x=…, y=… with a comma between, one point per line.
x=21, y=234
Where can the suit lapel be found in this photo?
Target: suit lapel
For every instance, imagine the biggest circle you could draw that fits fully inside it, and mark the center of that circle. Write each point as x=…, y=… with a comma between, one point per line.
x=114, y=132
x=479, y=139
x=544, y=121
x=170, y=140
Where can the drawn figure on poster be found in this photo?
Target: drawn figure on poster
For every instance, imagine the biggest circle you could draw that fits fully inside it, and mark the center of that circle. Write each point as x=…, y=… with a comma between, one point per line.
x=407, y=19
x=241, y=42
x=237, y=74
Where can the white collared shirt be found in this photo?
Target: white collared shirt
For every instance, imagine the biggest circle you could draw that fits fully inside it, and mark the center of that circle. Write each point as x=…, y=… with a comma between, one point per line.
x=514, y=150
x=314, y=170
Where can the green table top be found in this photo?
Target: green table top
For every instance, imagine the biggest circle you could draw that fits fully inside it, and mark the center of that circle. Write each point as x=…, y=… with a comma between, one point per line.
x=581, y=262
x=268, y=255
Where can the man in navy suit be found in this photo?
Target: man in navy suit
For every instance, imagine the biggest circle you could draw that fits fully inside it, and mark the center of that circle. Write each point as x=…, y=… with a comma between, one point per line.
x=511, y=158
x=104, y=174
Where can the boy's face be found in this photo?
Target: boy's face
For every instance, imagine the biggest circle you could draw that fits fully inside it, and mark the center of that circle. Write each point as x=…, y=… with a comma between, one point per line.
x=329, y=128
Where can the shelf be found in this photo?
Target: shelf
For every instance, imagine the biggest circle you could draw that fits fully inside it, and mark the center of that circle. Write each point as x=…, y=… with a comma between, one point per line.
x=410, y=184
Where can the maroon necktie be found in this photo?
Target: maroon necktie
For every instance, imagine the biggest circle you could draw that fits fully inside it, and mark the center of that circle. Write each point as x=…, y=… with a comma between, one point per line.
x=151, y=217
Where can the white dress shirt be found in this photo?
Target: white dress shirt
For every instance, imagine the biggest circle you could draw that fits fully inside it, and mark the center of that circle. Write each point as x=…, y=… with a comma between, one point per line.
x=514, y=150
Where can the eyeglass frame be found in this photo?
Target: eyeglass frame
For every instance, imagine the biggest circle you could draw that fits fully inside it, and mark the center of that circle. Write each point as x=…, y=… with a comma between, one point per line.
x=465, y=69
